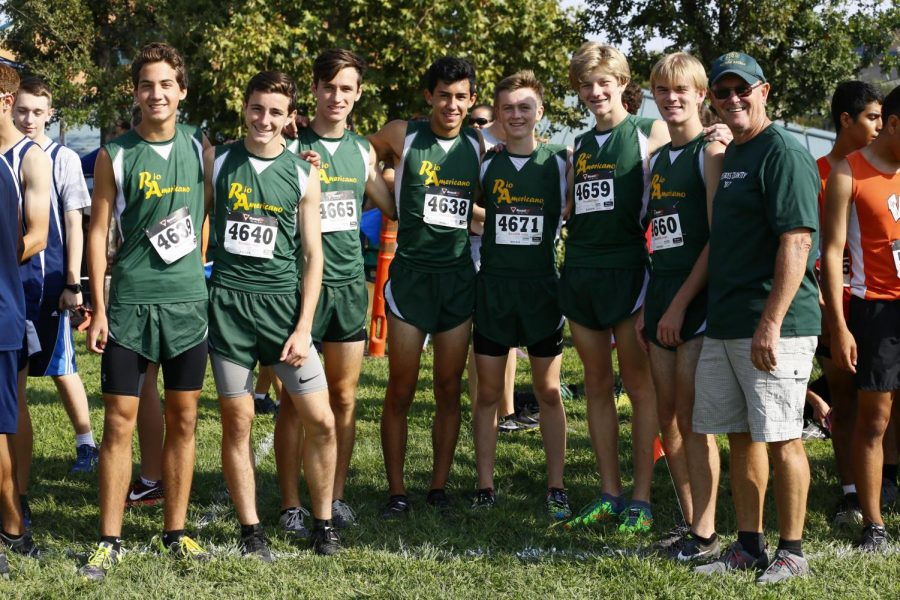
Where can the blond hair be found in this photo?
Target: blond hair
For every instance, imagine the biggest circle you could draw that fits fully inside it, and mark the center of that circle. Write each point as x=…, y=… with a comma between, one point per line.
x=592, y=57
x=520, y=80
x=679, y=67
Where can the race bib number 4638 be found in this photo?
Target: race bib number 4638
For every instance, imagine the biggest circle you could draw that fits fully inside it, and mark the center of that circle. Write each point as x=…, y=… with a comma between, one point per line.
x=173, y=237
x=338, y=211
x=251, y=235
x=446, y=206
x=595, y=192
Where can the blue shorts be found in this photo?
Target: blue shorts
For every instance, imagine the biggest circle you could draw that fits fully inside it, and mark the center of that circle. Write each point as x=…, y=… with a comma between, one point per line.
x=57, y=348
x=9, y=402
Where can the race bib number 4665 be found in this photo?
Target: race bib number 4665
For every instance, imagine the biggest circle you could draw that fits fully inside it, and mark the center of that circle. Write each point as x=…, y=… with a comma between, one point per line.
x=173, y=237
x=595, y=192
x=251, y=235
x=338, y=211
x=446, y=206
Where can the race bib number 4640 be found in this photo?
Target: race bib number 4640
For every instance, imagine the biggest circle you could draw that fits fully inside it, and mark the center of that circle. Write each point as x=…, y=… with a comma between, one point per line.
x=251, y=235
x=595, y=192
x=338, y=211
x=446, y=206
x=173, y=237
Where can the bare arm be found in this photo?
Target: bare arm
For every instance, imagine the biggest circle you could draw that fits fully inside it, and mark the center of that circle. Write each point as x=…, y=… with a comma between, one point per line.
x=388, y=142
x=790, y=265
x=659, y=136
x=296, y=348
x=377, y=189
x=835, y=218
x=98, y=231
x=74, y=252
x=36, y=178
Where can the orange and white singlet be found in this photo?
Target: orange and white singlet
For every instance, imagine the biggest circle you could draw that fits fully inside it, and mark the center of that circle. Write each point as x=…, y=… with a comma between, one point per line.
x=873, y=232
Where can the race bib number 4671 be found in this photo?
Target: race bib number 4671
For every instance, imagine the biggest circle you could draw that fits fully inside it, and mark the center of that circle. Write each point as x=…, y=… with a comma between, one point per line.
x=446, y=206
x=595, y=192
x=173, y=237
x=515, y=226
x=251, y=235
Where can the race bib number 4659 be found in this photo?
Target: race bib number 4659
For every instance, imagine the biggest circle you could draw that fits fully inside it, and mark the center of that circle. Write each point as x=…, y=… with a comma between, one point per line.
x=173, y=237
x=338, y=211
x=446, y=206
x=251, y=235
x=595, y=192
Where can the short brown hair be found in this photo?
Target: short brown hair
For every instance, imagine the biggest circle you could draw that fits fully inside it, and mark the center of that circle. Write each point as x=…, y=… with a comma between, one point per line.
x=36, y=87
x=9, y=79
x=517, y=81
x=273, y=82
x=633, y=97
x=328, y=64
x=593, y=56
x=159, y=52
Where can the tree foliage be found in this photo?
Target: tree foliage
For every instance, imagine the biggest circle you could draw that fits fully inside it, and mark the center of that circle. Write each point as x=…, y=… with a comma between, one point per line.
x=83, y=48
x=804, y=46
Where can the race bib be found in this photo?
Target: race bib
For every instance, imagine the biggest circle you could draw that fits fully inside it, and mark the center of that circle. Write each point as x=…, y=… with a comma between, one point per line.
x=847, y=268
x=173, y=237
x=595, y=192
x=895, y=248
x=338, y=211
x=666, y=229
x=517, y=226
x=447, y=207
x=251, y=235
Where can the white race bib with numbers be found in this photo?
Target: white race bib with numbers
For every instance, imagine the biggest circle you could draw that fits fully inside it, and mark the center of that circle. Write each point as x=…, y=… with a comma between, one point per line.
x=895, y=248
x=446, y=206
x=338, y=211
x=665, y=227
x=250, y=235
x=174, y=236
x=595, y=192
x=519, y=228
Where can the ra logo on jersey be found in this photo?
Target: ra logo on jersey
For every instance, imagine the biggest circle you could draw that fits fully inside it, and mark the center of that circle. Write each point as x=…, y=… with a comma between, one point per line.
x=150, y=182
x=241, y=194
x=323, y=173
x=429, y=169
x=894, y=206
x=581, y=164
x=656, y=186
x=501, y=189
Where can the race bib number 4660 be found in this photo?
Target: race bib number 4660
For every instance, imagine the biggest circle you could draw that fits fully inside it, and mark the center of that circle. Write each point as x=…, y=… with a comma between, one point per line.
x=338, y=211
x=666, y=230
x=173, y=237
x=251, y=235
x=446, y=206
x=595, y=192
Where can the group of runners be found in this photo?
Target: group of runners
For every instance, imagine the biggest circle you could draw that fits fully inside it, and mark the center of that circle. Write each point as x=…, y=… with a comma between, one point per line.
x=715, y=336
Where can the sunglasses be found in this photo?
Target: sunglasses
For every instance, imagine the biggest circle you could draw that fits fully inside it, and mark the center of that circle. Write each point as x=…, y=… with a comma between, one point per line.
x=480, y=121
x=742, y=91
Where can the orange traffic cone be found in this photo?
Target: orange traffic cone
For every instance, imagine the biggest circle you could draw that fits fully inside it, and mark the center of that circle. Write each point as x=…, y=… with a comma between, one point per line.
x=378, y=327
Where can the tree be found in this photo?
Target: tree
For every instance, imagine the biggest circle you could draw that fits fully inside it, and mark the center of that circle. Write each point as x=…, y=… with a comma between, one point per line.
x=804, y=46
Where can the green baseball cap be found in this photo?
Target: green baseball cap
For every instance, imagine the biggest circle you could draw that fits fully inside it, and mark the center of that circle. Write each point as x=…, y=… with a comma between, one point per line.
x=736, y=63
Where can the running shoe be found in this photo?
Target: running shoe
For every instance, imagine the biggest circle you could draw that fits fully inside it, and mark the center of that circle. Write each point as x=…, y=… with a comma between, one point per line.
x=438, y=500
x=264, y=406
x=484, y=499
x=558, y=506
x=104, y=558
x=847, y=515
x=602, y=510
x=735, y=559
x=693, y=550
x=784, y=565
x=889, y=492
x=256, y=544
x=637, y=518
x=397, y=507
x=293, y=521
x=141, y=494
x=342, y=516
x=325, y=541
x=874, y=539
x=671, y=541
x=509, y=424
x=182, y=549
x=813, y=431
x=528, y=421
x=24, y=544
x=86, y=459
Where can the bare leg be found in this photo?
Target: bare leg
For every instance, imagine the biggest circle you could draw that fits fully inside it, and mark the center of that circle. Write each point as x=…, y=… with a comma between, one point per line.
x=791, y=486
x=749, y=478
x=449, y=363
x=871, y=424
x=545, y=375
x=484, y=413
x=9, y=492
x=288, y=448
x=178, y=455
x=119, y=419
x=843, y=405
x=23, y=439
x=507, y=406
x=75, y=401
x=237, y=456
x=151, y=427
x=319, y=449
x=343, y=363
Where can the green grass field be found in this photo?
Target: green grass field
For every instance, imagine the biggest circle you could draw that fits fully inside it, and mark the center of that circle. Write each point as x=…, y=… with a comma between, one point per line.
x=506, y=553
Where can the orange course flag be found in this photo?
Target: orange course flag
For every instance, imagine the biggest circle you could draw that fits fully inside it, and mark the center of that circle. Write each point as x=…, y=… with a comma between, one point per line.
x=658, y=451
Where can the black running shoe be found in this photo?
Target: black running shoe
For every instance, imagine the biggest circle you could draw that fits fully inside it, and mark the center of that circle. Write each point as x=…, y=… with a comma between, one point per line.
x=484, y=499
x=874, y=539
x=847, y=515
x=264, y=406
x=24, y=544
x=438, y=500
x=26, y=511
x=256, y=544
x=690, y=549
x=325, y=541
x=397, y=507
x=342, y=516
x=735, y=559
x=142, y=494
x=671, y=540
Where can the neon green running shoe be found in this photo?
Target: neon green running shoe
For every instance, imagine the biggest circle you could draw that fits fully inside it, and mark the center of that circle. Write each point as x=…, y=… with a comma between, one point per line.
x=603, y=510
x=183, y=549
x=104, y=558
x=637, y=519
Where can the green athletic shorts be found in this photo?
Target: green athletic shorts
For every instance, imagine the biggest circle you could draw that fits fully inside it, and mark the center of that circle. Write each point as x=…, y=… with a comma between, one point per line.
x=600, y=298
x=515, y=311
x=432, y=302
x=660, y=291
x=158, y=332
x=341, y=312
x=248, y=327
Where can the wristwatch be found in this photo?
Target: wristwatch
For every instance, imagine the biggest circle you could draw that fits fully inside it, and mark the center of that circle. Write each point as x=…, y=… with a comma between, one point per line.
x=75, y=288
